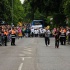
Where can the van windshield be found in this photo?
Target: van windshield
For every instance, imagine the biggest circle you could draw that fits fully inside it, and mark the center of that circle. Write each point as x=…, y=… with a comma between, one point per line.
x=37, y=22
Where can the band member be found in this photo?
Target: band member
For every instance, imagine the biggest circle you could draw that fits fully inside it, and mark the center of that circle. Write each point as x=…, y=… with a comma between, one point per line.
x=32, y=32
x=13, y=36
x=36, y=32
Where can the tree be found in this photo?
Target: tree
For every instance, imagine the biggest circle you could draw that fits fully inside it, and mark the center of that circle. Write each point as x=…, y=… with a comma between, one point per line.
x=5, y=10
x=66, y=6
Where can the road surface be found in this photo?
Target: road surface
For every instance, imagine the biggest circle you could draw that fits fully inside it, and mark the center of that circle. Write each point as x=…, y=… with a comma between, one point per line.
x=33, y=54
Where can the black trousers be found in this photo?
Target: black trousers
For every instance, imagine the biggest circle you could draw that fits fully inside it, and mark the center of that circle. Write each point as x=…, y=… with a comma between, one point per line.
x=32, y=34
x=56, y=43
x=36, y=35
x=5, y=40
x=63, y=40
x=12, y=41
x=47, y=40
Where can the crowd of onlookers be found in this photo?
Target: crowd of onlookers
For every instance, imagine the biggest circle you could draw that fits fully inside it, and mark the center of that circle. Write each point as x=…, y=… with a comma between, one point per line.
x=24, y=31
x=64, y=34
x=61, y=35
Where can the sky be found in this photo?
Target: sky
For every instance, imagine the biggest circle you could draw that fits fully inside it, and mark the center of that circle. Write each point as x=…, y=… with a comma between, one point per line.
x=22, y=1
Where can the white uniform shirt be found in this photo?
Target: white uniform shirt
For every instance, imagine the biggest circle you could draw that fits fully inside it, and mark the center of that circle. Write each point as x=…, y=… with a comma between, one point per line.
x=32, y=30
x=67, y=32
x=36, y=32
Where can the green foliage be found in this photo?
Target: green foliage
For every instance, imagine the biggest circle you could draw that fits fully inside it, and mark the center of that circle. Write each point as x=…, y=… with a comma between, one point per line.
x=41, y=9
x=59, y=19
x=66, y=7
x=27, y=13
x=38, y=15
x=6, y=11
x=17, y=11
x=35, y=9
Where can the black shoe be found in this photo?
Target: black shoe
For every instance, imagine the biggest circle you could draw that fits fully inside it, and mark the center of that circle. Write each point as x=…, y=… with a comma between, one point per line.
x=5, y=45
x=11, y=44
x=57, y=46
x=0, y=44
x=46, y=45
x=14, y=45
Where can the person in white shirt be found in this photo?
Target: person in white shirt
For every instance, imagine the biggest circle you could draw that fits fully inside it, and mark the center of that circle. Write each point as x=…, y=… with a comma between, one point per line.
x=32, y=32
x=41, y=32
x=36, y=32
x=68, y=36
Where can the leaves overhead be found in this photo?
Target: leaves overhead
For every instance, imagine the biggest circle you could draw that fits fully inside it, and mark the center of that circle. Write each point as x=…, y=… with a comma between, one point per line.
x=6, y=11
x=32, y=9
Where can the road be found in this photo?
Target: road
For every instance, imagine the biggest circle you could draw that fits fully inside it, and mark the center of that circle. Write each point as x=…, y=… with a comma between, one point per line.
x=32, y=54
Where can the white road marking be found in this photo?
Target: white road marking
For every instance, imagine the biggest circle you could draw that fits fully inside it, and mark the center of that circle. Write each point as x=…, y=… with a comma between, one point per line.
x=22, y=59
x=27, y=50
x=28, y=57
x=21, y=55
x=20, y=67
